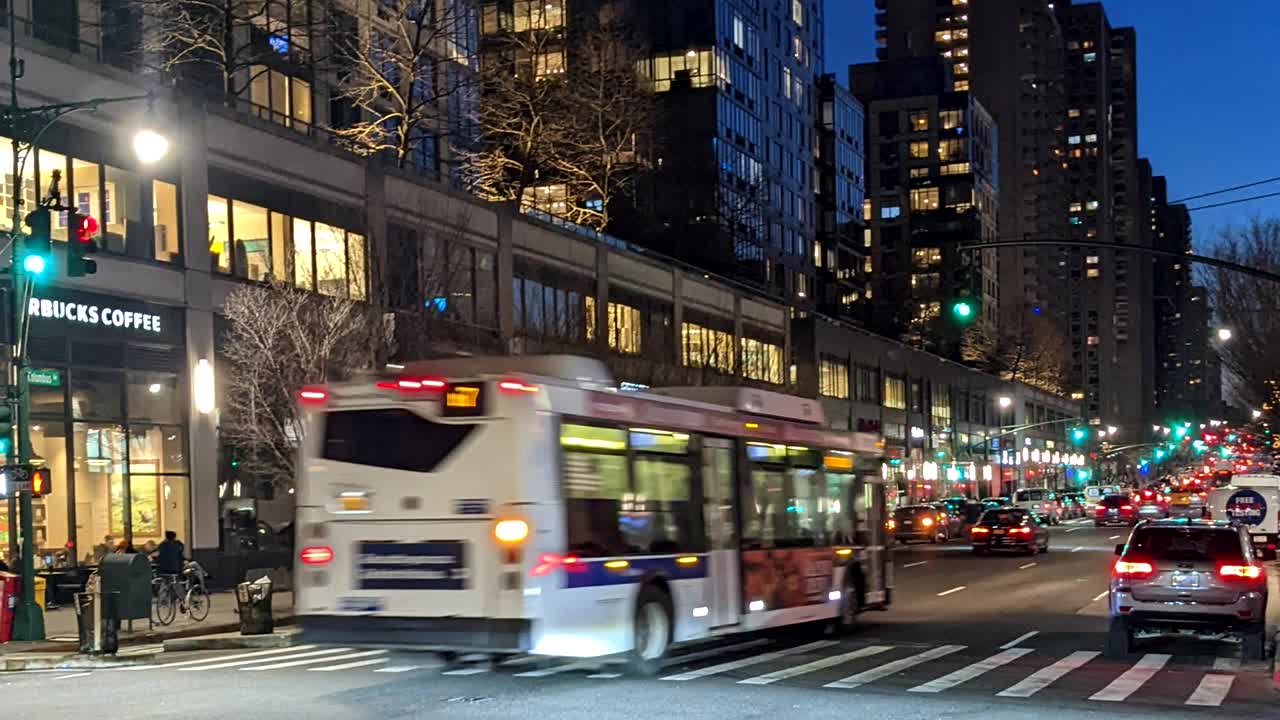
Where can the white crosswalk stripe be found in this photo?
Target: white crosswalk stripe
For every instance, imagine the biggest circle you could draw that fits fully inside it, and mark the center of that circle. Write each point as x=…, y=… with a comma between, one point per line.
x=346, y=666
x=1044, y=677
x=825, y=662
x=969, y=672
x=289, y=663
x=543, y=672
x=238, y=663
x=894, y=667
x=753, y=660
x=238, y=656
x=466, y=671
x=398, y=669
x=1212, y=690
x=1132, y=679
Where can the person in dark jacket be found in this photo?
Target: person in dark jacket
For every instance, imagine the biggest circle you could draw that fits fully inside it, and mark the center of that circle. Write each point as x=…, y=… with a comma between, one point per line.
x=170, y=555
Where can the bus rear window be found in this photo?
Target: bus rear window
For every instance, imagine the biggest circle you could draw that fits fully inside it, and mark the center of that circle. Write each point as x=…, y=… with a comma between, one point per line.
x=390, y=438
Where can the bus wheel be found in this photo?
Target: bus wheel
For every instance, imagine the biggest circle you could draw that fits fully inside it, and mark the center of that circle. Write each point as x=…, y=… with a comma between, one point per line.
x=653, y=631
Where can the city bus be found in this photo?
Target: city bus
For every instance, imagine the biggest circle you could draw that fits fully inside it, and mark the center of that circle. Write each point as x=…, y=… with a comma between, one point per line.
x=525, y=505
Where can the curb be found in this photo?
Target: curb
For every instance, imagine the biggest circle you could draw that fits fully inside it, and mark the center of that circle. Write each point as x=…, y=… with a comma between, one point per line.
x=73, y=662
x=232, y=641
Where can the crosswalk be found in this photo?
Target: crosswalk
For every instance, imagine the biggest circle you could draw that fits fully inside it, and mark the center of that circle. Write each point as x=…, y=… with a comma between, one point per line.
x=1014, y=673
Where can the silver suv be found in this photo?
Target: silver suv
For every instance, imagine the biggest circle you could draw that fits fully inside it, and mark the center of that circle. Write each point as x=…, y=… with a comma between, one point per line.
x=1180, y=575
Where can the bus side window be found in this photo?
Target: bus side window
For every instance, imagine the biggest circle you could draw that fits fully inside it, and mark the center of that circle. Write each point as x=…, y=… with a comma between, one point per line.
x=595, y=488
x=662, y=515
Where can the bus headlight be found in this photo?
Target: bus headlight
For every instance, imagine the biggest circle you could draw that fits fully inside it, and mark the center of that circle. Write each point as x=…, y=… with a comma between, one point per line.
x=511, y=532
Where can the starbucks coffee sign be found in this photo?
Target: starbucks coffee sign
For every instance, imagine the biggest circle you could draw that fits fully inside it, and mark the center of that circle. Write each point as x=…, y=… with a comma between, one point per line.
x=58, y=312
x=94, y=314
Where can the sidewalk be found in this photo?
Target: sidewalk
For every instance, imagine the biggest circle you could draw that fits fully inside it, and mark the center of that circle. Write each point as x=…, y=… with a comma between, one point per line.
x=62, y=636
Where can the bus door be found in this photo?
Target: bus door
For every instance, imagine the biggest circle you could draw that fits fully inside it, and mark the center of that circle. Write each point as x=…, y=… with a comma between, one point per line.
x=722, y=531
x=872, y=513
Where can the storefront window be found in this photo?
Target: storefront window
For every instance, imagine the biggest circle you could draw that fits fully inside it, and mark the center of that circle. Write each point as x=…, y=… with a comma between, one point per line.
x=164, y=211
x=356, y=266
x=50, y=161
x=121, y=206
x=331, y=260
x=96, y=394
x=280, y=264
x=303, y=274
x=49, y=514
x=45, y=399
x=152, y=396
x=100, y=490
x=219, y=234
x=252, y=243
x=157, y=449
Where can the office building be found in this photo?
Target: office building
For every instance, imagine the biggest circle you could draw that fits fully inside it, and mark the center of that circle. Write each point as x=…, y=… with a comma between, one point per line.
x=840, y=253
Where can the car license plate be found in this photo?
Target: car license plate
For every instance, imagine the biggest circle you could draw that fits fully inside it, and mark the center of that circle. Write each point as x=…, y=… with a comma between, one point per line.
x=997, y=532
x=1185, y=580
x=1260, y=539
x=906, y=522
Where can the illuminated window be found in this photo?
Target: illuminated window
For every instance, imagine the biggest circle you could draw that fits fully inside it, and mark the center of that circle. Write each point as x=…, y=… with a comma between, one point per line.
x=1073, y=140
x=164, y=213
x=219, y=233
x=550, y=199
x=538, y=14
x=926, y=281
x=699, y=64
x=1091, y=260
x=1075, y=207
x=866, y=215
x=1073, y=113
x=761, y=361
x=1091, y=205
x=549, y=63
x=1091, y=138
x=704, y=347
x=1093, y=340
x=950, y=119
x=955, y=168
x=797, y=12
x=888, y=212
x=866, y=237
x=1093, y=273
x=919, y=172
x=331, y=260
x=918, y=120
x=942, y=36
x=925, y=199
x=961, y=68
x=866, y=265
x=833, y=378
x=918, y=149
x=960, y=85
x=280, y=98
x=251, y=243
x=926, y=312
x=951, y=149
x=961, y=34
x=962, y=51
x=303, y=270
x=895, y=393
x=1090, y=57
x=926, y=256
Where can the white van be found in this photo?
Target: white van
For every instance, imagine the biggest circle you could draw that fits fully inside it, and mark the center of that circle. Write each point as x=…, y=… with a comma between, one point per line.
x=1038, y=501
x=1093, y=495
x=1252, y=501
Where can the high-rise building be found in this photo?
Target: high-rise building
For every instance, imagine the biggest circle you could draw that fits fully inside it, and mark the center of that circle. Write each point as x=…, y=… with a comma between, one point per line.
x=931, y=190
x=841, y=251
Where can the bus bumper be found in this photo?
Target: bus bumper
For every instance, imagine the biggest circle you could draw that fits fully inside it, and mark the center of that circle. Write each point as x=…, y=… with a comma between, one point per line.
x=466, y=634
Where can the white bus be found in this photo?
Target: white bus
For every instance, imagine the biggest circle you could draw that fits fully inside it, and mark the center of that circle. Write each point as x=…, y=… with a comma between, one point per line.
x=524, y=505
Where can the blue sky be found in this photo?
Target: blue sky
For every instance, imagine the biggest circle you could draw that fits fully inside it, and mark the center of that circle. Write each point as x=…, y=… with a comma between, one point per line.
x=1208, y=103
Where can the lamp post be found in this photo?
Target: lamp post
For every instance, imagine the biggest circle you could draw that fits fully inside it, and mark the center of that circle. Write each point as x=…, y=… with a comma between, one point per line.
x=25, y=126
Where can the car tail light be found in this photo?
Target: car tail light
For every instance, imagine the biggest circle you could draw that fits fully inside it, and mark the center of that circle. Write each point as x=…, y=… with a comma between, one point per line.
x=513, y=386
x=1132, y=569
x=1240, y=572
x=511, y=532
x=316, y=555
x=1126, y=508
x=891, y=523
x=979, y=531
x=313, y=396
x=1024, y=530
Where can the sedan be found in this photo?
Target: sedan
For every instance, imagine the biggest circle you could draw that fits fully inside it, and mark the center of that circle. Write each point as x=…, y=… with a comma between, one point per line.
x=1115, y=510
x=920, y=522
x=1009, y=529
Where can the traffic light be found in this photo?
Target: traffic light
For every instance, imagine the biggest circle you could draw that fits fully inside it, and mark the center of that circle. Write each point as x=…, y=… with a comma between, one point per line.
x=82, y=245
x=1180, y=431
x=36, y=247
x=41, y=482
x=1078, y=435
x=962, y=310
x=6, y=429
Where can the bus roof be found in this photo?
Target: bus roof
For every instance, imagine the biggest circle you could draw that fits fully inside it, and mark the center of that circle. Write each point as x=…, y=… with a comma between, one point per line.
x=563, y=367
x=751, y=400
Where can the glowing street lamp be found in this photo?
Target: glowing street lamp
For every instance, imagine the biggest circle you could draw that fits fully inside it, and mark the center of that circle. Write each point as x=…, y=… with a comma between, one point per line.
x=150, y=146
x=1224, y=334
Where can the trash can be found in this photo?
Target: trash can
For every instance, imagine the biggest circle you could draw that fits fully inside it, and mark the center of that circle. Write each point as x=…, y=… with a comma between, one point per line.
x=98, y=619
x=253, y=603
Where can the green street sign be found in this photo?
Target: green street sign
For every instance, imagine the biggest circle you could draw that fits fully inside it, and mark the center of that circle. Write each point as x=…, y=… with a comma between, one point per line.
x=44, y=377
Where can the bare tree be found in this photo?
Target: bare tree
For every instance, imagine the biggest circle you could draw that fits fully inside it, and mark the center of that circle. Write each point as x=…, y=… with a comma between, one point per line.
x=1033, y=352
x=1251, y=308
x=282, y=339
x=412, y=79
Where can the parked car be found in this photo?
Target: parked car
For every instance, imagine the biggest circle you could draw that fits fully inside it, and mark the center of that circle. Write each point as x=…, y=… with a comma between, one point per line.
x=1009, y=529
x=921, y=523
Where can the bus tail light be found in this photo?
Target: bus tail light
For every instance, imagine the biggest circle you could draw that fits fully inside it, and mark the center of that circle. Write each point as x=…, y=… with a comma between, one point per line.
x=515, y=386
x=313, y=396
x=316, y=555
x=511, y=532
x=550, y=561
x=412, y=384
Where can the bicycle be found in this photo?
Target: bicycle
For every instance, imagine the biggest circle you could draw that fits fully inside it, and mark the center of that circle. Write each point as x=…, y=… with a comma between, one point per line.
x=184, y=593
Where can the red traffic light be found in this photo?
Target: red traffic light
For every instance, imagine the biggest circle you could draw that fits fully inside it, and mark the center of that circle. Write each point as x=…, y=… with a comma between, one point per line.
x=87, y=228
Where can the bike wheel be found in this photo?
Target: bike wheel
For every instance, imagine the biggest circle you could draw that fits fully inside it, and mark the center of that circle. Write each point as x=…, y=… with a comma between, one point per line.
x=166, y=605
x=198, y=602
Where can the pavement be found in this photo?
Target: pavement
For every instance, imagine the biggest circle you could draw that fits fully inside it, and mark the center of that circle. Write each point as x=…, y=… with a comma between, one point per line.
x=997, y=637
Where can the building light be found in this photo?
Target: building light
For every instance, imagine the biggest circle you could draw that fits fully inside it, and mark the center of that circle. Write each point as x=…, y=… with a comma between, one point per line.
x=203, y=387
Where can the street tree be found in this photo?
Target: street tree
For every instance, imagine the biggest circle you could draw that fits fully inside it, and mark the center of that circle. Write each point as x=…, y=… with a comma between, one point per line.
x=1250, y=307
x=281, y=339
x=1033, y=351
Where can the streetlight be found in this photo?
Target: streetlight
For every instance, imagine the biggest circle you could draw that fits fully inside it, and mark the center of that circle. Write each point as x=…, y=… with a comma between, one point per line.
x=1005, y=402
x=1111, y=429
x=1224, y=334
x=150, y=146
x=1256, y=414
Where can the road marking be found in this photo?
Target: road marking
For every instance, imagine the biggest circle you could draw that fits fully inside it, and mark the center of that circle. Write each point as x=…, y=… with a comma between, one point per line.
x=1132, y=679
x=826, y=662
x=896, y=666
x=466, y=671
x=397, y=669
x=956, y=589
x=345, y=666
x=1224, y=664
x=311, y=661
x=1077, y=549
x=1212, y=690
x=201, y=661
x=218, y=664
x=1100, y=595
x=709, y=652
x=914, y=564
x=1114, y=537
x=965, y=674
x=744, y=662
x=1074, y=529
x=1019, y=639
x=605, y=676
x=1045, y=677
x=1028, y=565
x=555, y=670
x=72, y=675
x=141, y=650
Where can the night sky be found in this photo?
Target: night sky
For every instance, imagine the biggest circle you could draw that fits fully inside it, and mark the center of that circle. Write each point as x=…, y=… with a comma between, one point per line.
x=1208, y=107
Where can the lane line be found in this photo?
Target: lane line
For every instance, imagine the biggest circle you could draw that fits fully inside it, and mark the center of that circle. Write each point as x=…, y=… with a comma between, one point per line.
x=466, y=671
x=1132, y=679
x=556, y=670
x=72, y=675
x=605, y=676
x=1019, y=639
x=1074, y=529
x=826, y=662
x=956, y=589
x=204, y=660
x=914, y=564
x=1226, y=664
x=710, y=652
x=221, y=665
x=1212, y=690
x=397, y=669
x=965, y=674
x=896, y=666
x=311, y=661
x=1100, y=595
x=1114, y=537
x=1077, y=549
x=348, y=666
x=744, y=662
x=1028, y=565
x=1044, y=677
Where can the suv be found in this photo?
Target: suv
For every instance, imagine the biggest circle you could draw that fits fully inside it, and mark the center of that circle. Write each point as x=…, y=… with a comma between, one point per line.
x=920, y=522
x=1115, y=509
x=1176, y=575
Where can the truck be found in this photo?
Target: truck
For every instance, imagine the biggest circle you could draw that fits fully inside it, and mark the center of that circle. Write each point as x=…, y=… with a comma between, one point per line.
x=1254, y=502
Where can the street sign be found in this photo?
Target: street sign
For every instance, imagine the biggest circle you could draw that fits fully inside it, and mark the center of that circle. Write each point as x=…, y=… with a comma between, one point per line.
x=44, y=377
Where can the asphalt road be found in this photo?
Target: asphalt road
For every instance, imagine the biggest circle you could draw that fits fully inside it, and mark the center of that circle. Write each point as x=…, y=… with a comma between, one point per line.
x=995, y=637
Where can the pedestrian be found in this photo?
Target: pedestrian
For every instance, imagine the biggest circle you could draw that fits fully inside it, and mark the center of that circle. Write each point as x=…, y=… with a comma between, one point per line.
x=170, y=555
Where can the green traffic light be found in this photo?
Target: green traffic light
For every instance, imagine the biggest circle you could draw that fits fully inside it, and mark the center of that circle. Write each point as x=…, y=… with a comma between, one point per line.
x=33, y=264
x=1159, y=454
x=962, y=310
x=1079, y=434
x=1180, y=431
